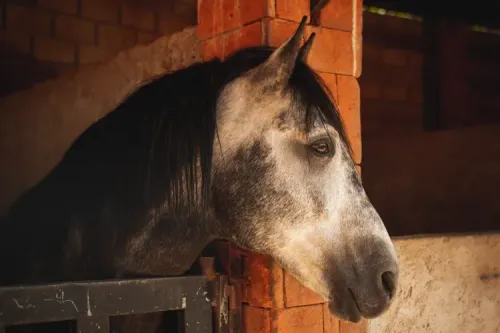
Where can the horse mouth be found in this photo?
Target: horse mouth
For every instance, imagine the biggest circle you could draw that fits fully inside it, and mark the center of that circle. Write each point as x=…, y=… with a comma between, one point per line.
x=346, y=307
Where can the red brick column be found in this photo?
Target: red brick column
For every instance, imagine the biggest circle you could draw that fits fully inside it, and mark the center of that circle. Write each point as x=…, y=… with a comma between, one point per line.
x=275, y=301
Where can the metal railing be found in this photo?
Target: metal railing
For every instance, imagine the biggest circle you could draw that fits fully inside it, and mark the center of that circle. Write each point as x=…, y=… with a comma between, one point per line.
x=92, y=303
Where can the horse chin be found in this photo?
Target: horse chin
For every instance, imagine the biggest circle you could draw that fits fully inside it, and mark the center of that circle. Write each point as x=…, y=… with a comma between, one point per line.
x=345, y=307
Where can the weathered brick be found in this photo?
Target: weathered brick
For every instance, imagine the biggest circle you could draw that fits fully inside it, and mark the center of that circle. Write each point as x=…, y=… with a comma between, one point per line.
x=252, y=10
x=338, y=15
x=17, y=42
x=278, y=31
x=247, y=36
x=256, y=320
x=65, y=6
x=146, y=37
x=219, y=16
x=298, y=295
x=331, y=323
x=266, y=287
x=101, y=10
x=137, y=17
x=53, y=50
x=348, y=327
x=74, y=29
x=331, y=82
x=216, y=17
x=90, y=54
x=212, y=48
x=298, y=320
x=116, y=37
x=29, y=20
x=331, y=52
x=292, y=10
x=349, y=104
x=223, y=45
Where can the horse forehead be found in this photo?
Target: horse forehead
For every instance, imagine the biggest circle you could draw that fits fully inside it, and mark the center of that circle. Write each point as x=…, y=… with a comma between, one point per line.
x=257, y=98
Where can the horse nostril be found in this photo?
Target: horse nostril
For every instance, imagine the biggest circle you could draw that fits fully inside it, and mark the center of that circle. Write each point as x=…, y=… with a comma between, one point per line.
x=389, y=283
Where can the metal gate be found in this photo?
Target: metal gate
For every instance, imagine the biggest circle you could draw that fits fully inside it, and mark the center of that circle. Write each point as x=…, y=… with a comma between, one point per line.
x=205, y=301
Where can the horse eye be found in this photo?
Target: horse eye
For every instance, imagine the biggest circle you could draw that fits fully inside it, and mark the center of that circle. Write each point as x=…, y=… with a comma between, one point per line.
x=321, y=147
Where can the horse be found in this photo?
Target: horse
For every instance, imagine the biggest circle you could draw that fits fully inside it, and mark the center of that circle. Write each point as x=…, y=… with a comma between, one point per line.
x=251, y=150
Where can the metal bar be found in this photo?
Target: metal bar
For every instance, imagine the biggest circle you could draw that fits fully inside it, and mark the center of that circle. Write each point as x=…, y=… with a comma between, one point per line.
x=198, y=310
x=73, y=300
x=93, y=325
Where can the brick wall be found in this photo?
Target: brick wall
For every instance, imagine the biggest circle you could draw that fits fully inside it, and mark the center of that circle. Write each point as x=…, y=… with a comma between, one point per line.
x=425, y=181
x=40, y=39
x=392, y=81
x=275, y=301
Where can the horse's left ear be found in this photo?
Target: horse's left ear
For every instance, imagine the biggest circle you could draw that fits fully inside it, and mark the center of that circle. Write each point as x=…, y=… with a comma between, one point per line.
x=304, y=50
x=280, y=65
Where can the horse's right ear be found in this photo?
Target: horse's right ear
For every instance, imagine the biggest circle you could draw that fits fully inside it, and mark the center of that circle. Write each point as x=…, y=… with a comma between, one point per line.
x=279, y=67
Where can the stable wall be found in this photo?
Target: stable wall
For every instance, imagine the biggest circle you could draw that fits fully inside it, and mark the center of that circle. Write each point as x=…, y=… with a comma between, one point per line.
x=455, y=291
x=423, y=181
x=67, y=63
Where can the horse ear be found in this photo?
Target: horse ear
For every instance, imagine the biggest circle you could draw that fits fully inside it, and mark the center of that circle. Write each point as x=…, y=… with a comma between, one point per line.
x=304, y=50
x=282, y=61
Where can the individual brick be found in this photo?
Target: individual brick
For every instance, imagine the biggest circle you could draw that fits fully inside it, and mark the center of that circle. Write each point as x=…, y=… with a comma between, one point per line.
x=256, y=320
x=139, y=18
x=223, y=45
x=298, y=295
x=53, y=50
x=293, y=10
x=349, y=104
x=64, y=6
x=330, y=322
x=19, y=43
x=29, y=20
x=298, y=320
x=212, y=48
x=331, y=52
x=252, y=10
x=74, y=29
x=216, y=17
x=266, y=287
x=331, y=82
x=116, y=37
x=278, y=31
x=337, y=15
x=247, y=36
x=101, y=10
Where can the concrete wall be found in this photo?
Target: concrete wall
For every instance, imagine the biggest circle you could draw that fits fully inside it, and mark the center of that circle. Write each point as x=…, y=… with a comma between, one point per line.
x=448, y=285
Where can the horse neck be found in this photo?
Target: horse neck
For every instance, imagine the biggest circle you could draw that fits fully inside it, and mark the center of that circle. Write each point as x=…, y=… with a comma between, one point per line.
x=168, y=244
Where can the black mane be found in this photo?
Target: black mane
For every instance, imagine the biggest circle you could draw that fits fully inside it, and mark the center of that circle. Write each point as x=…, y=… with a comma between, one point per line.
x=146, y=152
